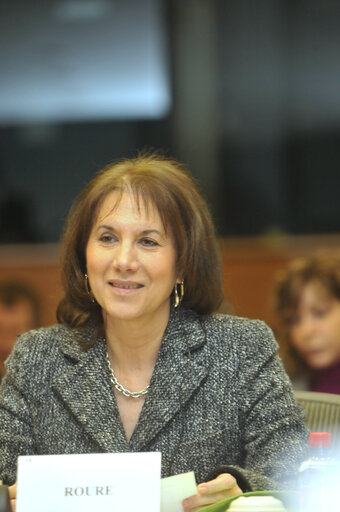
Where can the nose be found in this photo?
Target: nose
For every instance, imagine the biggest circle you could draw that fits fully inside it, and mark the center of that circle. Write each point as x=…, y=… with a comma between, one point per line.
x=125, y=257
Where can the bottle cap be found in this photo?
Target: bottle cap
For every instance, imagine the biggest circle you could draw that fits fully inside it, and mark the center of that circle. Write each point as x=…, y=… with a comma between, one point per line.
x=256, y=504
x=320, y=440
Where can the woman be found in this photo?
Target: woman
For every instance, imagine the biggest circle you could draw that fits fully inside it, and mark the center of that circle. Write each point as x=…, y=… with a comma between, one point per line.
x=308, y=309
x=138, y=361
x=19, y=312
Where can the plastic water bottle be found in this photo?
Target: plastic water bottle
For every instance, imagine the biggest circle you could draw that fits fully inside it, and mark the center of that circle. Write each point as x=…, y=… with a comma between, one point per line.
x=256, y=504
x=319, y=477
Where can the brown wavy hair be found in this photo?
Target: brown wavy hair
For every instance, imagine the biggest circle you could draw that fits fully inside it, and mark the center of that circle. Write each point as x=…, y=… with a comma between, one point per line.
x=321, y=268
x=154, y=181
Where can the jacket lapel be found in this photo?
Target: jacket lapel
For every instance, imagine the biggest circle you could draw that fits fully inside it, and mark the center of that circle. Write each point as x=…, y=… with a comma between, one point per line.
x=180, y=369
x=87, y=391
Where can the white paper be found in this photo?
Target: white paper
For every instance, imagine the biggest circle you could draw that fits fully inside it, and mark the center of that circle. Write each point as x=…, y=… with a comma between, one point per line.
x=174, y=489
x=104, y=482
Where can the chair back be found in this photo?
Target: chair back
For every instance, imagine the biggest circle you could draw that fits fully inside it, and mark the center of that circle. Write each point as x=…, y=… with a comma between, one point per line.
x=322, y=412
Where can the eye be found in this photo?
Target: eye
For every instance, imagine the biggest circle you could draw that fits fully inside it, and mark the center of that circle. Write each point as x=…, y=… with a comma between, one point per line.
x=319, y=312
x=107, y=238
x=293, y=320
x=148, y=242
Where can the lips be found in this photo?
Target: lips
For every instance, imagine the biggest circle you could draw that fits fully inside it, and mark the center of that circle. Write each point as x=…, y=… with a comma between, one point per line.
x=313, y=355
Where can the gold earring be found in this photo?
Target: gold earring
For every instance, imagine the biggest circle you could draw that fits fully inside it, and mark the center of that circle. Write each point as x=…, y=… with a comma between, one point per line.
x=87, y=288
x=179, y=296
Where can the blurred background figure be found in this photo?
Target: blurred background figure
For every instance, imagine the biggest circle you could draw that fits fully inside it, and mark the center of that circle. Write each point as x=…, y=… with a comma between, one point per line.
x=19, y=312
x=308, y=310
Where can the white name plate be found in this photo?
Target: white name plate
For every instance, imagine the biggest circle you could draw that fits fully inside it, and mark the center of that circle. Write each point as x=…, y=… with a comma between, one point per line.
x=105, y=482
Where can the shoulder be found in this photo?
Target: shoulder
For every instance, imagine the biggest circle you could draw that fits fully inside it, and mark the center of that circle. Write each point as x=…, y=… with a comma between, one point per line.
x=45, y=347
x=238, y=328
x=42, y=340
x=246, y=338
x=42, y=335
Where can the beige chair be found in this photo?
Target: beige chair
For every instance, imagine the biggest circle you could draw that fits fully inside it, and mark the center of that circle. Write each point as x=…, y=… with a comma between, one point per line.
x=322, y=412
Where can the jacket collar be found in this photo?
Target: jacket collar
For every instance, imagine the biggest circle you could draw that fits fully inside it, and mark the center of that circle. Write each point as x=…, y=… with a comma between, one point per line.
x=181, y=366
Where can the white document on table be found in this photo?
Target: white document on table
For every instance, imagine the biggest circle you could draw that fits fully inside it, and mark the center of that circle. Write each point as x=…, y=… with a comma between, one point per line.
x=123, y=482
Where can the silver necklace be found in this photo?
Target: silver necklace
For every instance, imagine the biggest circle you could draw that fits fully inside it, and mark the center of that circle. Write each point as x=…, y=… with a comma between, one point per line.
x=120, y=387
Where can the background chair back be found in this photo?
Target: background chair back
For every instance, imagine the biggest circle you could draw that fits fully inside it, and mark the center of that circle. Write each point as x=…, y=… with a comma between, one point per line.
x=322, y=413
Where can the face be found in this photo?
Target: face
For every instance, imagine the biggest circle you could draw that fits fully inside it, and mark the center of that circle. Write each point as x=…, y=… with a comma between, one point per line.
x=315, y=329
x=14, y=320
x=130, y=261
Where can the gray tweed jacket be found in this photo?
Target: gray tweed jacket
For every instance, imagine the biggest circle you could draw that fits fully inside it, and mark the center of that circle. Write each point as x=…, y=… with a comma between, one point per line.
x=219, y=400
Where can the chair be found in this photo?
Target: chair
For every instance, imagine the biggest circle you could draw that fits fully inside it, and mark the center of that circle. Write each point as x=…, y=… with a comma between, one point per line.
x=322, y=412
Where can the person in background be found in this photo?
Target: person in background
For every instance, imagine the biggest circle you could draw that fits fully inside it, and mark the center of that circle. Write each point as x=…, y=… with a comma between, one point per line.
x=139, y=361
x=307, y=303
x=19, y=312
